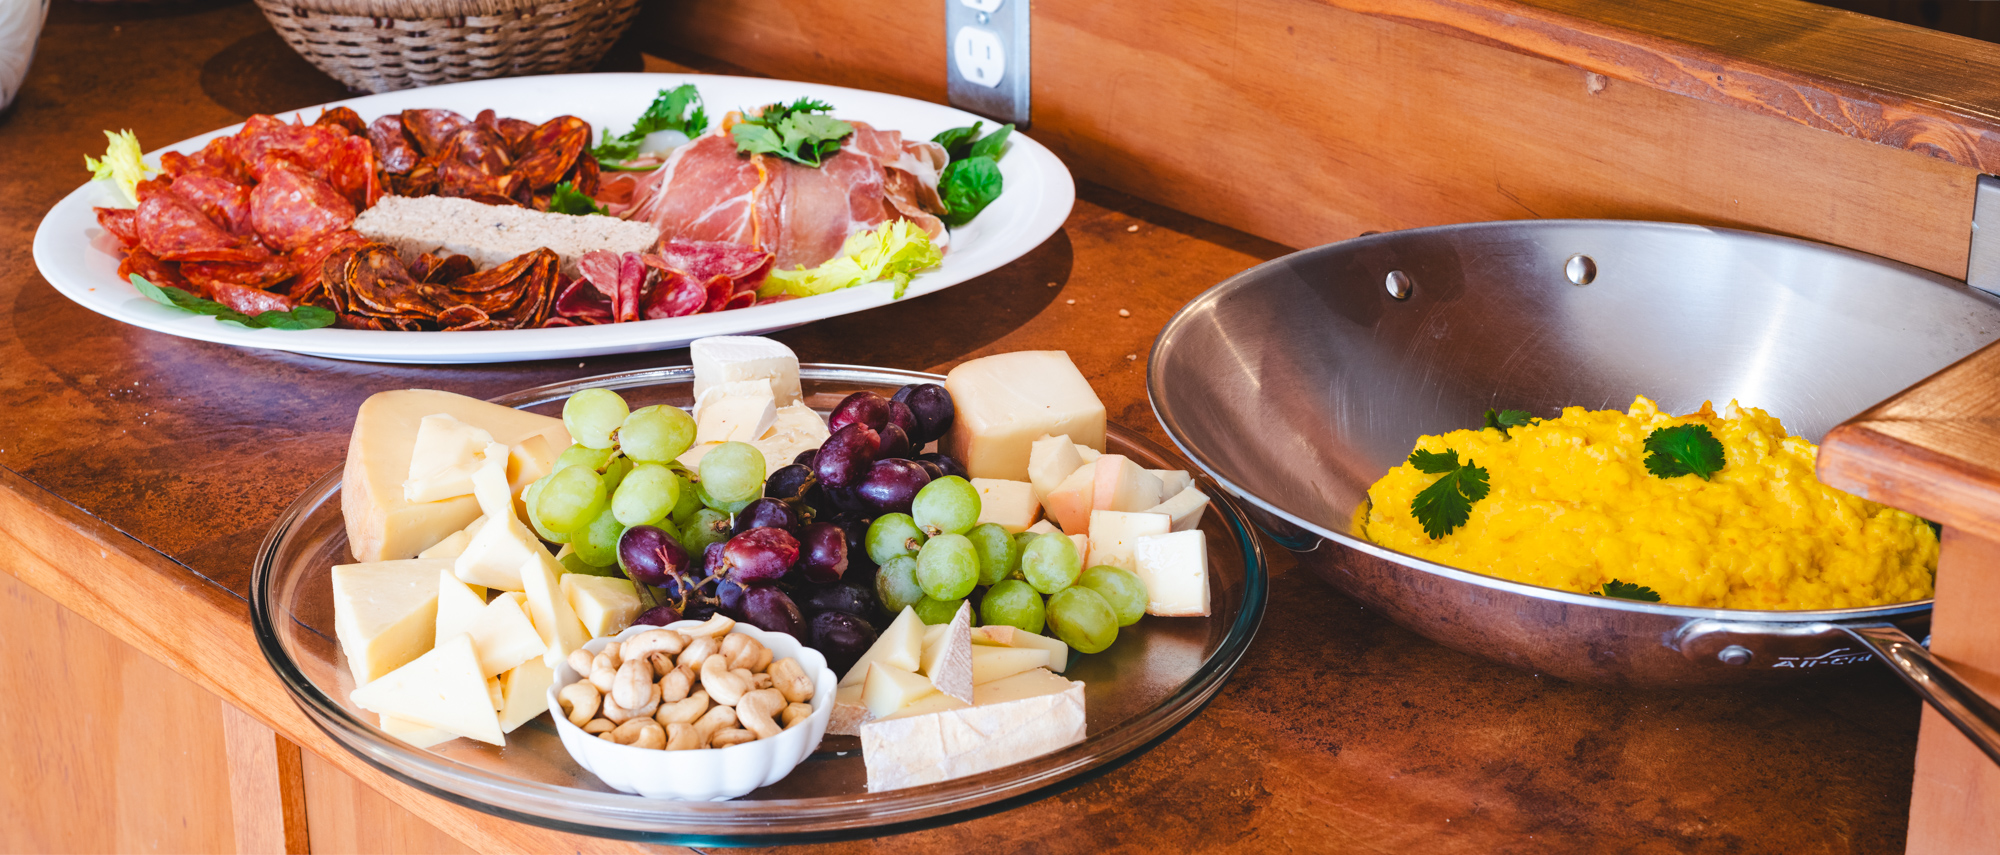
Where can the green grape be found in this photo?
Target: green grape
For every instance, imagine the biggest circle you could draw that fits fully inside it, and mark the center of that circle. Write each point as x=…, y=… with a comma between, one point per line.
x=1050, y=562
x=1120, y=589
x=891, y=535
x=646, y=495
x=656, y=434
x=583, y=455
x=570, y=500
x=705, y=527
x=615, y=472
x=949, y=505
x=528, y=496
x=733, y=472
x=596, y=544
x=592, y=414
x=571, y=563
x=1082, y=619
x=948, y=567
x=999, y=555
x=1012, y=602
x=708, y=501
x=933, y=612
x=1021, y=542
x=689, y=501
x=896, y=584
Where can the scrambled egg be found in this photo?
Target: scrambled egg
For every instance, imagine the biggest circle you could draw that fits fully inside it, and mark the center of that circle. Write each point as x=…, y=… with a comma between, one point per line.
x=1572, y=506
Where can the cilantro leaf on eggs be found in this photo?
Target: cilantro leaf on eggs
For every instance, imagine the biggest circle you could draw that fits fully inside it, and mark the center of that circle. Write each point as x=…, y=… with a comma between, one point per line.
x=1447, y=503
x=1683, y=450
x=1501, y=420
x=1434, y=462
x=1627, y=591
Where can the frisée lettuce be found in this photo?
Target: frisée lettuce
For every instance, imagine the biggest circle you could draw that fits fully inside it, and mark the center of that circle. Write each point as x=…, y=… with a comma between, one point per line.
x=895, y=251
x=123, y=164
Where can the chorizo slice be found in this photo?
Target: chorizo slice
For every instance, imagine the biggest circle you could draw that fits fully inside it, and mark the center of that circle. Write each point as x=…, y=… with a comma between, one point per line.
x=173, y=230
x=289, y=209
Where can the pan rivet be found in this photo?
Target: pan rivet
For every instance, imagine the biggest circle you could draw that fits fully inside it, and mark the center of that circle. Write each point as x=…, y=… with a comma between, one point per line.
x=1398, y=284
x=1580, y=269
x=1735, y=654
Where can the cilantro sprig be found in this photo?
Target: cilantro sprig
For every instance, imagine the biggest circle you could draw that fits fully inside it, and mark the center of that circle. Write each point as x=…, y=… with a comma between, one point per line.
x=1447, y=503
x=566, y=200
x=800, y=132
x=301, y=318
x=1501, y=420
x=670, y=111
x=1627, y=591
x=1683, y=450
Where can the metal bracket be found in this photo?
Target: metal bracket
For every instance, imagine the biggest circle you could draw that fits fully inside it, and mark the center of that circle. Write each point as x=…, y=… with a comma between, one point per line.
x=1982, y=268
x=986, y=50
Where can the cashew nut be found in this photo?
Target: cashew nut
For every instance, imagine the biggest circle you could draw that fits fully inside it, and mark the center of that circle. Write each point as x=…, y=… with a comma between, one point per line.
x=756, y=709
x=714, y=626
x=796, y=713
x=745, y=652
x=579, y=661
x=685, y=710
x=653, y=641
x=640, y=733
x=682, y=737
x=599, y=726
x=614, y=650
x=661, y=661
x=698, y=652
x=675, y=686
x=619, y=713
x=717, y=718
x=731, y=736
x=634, y=684
x=789, y=677
x=579, y=701
x=603, y=674
x=761, y=680
x=724, y=686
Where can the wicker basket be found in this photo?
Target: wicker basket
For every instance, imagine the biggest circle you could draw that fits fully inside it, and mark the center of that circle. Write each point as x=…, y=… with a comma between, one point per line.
x=382, y=45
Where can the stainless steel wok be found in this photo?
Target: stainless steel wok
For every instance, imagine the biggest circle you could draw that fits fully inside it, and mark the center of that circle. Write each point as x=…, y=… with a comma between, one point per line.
x=1299, y=382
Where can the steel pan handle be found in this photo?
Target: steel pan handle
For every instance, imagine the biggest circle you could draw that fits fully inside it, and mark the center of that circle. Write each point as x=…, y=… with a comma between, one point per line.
x=1956, y=701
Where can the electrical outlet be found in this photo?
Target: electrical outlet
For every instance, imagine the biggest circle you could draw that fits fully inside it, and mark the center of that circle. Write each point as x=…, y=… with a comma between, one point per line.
x=987, y=43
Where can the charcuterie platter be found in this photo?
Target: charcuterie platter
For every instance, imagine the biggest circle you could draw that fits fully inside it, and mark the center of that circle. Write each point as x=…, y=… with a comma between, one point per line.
x=804, y=176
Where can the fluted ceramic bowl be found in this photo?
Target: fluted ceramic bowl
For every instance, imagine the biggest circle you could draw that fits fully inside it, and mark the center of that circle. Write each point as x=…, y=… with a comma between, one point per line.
x=706, y=774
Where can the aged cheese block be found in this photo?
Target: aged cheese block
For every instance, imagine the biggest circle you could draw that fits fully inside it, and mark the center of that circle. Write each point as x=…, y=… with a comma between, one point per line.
x=1011, y=720
x=901, y=645
x=734, y=358
x=385, y=613
x=1113, y=533
x=605, y=604
x=454, y=546
x=1050, y=460
x=415, y=732
x=1010, y=504
x=381, y=524
x=1175, y=569
x=1003, y=403
x=525, y=693
x=554, y=620
x=1185, y=509
x=442, y=688
x=948, y=663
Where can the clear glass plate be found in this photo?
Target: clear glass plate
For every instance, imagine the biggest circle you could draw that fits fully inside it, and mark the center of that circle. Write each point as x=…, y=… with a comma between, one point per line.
x=1160, y=672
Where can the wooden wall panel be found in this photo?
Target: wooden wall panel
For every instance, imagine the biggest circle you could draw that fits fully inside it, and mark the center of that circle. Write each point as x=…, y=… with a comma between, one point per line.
x=1305, y=123
x=348, y=818
x=106, y=750
x=1955, y=802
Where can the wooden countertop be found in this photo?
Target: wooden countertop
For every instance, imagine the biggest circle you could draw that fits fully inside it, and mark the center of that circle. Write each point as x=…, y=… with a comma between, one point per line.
x=142, y=470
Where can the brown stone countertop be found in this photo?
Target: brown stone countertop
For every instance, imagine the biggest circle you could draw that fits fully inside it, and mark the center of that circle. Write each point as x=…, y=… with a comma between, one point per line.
x=1340, y=731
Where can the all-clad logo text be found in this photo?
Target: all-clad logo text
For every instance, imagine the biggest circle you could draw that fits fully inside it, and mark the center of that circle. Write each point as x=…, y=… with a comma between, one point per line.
x=1836, y=656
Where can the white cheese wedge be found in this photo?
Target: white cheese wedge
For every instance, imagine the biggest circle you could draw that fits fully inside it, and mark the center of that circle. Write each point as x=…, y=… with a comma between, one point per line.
x=901, y=645
x=797, y=429
x=441, y=464
x=801, y=421
x=504, y=635
x=605, y=604
x=889, y=688
x=1174, y=567
x=1113, y=533
x=1050, y=460
x=993, y=663
x=528, y=460
x=1044, y=527
x=737, y=419
x=948, y=663
x=1070, y=503
x=1002, y=403
x=691, y=458
x=442, y=688
x=454, y=546
x=1007, y=636
x=458, y=605
x=931, y=703
x=525, y=693
x=415, y=732
x=494, y=693
x=1010, y=504
x=1088, y=454
x=380, y=522
x=1122, y=485
x=1016, y=719
x=732, y=358
x=848, y=712
x=1185, y=509
x=1083, y=548
x=737, y=389
x=933, y=633
x=1172, y=481
x=554, y=620
x=385, y=613
x=503, y=544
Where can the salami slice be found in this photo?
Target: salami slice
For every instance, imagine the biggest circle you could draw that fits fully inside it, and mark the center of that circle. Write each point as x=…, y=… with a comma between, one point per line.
x=551, y=150
x=344, y=118
x=310, y=260
x=352, y=173
x=392, y=148
x=151, y=268
x=308, y=147
x=151, y=186
x=225, y=203
x=122, y=223
x=257, y=274
x=176, y=231
x=289, y=209
x=431, y=129
x=581, y=303
x=481, y=147
x=676, y=295
x=249, y=301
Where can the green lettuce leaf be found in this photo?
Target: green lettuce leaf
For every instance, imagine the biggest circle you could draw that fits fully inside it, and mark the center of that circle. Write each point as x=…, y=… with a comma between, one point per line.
x=896, y=251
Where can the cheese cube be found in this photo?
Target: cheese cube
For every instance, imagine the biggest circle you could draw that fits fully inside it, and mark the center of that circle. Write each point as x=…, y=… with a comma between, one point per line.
x=737, y=418
x=848, y=712
x=1113, y=533
x=415, y=732
x=1032, y=683
x=554, y=620
x=1018, y=721
x=1172, y=481
x=605, y=604
x=442, y=462
x=454, y=546
x=381, y=523
x=735, y=389
x=525, y=693
x=889, y=688
x=495, y=554
x=993, y=663
x=797, y=429
x=1050, y=460
x=1004, y=402
x=948, y=663
x=1011, y=504
x=1122, y=485
x=1185, y=509
x=529, y=460
x=1044, y=527
x=503, y=635
x=1070, y=504
x=733, y=358
x=385, y=613
x=1007, y=636
x=1083, y=547
x=901, y=645
x=1175, y=569
x=1088, y=454
x=442, y=688
x=495, y=694
x=458, y=605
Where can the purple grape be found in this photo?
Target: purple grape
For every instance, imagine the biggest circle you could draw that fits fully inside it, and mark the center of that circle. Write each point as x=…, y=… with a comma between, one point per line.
x=855, y=526
x=931, y=468
x=759, y=555
x=651, y=556
x=766, y=513
x=846, y=455
x=713, y=562
x=822, y=552
x=892, y=485
x=729, y=595
x=767, y=608
x=932, y=406
x=805, y=458
x=841, y=638
x=894, y=443
x=842, y=596
x=945, y=462
x=791, y=483
x=658, y=616
x=867, y=408
x=699, y=610
x=901, y=416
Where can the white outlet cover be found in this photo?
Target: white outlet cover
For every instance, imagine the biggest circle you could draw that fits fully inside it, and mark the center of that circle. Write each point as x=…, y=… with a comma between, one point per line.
x=980, y=56
x=982, y=5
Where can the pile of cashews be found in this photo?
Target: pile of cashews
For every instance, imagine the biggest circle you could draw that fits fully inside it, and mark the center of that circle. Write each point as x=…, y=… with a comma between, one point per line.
x=678, y=690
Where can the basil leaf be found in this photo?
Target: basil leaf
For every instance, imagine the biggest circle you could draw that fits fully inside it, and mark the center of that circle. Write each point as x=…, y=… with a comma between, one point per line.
x=967, y=187
x=992, y=144
x=301, y=318
x=958, y=142
x=566, y=200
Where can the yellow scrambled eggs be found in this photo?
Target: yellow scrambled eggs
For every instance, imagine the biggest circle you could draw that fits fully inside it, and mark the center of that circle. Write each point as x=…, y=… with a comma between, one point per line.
x=1572, y=506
